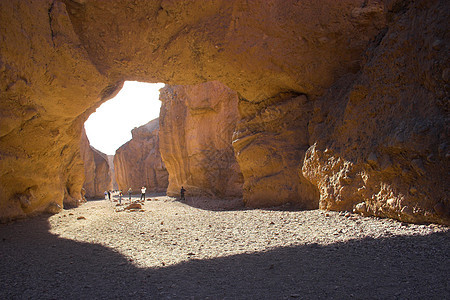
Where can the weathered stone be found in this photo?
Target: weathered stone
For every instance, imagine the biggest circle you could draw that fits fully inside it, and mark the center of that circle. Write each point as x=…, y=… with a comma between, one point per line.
x=138, y=162
x=134, y=206
x=96, y=170
x=53, y=208
x=408, y=211
x=404, y=124
x=417, y=165
x=112, y=171
x=196, y=127
x=270, y=144
x=361, y=208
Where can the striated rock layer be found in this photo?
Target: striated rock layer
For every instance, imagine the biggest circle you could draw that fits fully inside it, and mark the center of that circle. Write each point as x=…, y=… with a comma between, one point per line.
x=270, y=143
x=196, y=127
x=112, y=171
x=96, y=170
x=138, y=162
x=374, y=73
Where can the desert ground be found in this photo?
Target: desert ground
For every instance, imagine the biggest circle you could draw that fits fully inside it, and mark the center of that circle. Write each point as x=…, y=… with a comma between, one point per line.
x=202, y=249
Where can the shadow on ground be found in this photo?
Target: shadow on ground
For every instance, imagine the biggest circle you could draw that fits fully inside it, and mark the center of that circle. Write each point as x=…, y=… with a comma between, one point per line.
x=36, y=264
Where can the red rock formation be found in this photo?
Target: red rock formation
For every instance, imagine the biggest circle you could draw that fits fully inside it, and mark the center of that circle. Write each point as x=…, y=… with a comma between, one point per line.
x=196, y=127
x=96, y=170
x=376, y=73
x=138, y=162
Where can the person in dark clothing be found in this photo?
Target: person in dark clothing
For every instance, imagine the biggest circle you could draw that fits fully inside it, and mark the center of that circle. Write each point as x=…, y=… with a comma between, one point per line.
x=109, y=195
x=182, y=194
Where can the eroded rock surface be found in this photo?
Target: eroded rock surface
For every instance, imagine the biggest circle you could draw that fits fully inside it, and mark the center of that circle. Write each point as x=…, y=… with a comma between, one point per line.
x=380, y=138
x=270, y=143
x=96, y=170
x=48, y=87
x=112, y=171
x=196, y=127
x=138, y=162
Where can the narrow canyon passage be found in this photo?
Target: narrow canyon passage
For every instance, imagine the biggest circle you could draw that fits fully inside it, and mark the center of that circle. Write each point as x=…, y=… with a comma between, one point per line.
x=173, y=250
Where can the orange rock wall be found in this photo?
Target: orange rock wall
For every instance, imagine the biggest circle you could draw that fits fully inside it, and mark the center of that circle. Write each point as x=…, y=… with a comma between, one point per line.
x=196, y=127
x=138, y=162
x=270, y=143
x=96, y=170
x=112, y=171
x=48, y=87
x=380, y=138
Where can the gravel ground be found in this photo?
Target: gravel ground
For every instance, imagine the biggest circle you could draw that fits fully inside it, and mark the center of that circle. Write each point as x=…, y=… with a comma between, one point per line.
x=199, y=250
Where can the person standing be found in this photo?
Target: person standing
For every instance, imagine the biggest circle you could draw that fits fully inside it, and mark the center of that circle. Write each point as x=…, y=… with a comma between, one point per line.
x=182, y=193
x=129, y=193
x=106, y=195
x=120, y=197
x=109, y=195
x=143, y=189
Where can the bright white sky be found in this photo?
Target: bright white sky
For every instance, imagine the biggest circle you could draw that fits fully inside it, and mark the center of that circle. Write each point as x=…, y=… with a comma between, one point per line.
x=109, y=127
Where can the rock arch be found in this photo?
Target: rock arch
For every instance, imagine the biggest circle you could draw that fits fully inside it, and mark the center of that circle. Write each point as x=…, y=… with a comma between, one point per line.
x=61, y=59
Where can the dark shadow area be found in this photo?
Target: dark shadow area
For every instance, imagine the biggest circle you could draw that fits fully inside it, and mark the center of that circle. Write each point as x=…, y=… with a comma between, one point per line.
x=221, y=204
x=36, y=264
x=213, y=204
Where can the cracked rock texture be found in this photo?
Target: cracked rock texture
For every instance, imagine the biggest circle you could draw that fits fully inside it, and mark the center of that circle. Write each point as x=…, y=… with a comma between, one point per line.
x=138, y=162
x=367, y=78
x=380, y=137
x=270, y=142
x=196, y=127
x=96, y=170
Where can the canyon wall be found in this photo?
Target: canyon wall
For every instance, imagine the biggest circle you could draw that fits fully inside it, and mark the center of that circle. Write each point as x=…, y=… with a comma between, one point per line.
x=270, y=142
x=196, y=127
x=138, y=162
x=369, y=79
x=380, y=138
x=96, y=170
x=48, y=87
x=112, y=171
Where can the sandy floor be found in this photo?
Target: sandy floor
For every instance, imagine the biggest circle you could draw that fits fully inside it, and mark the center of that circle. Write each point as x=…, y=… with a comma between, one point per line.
x=172, y=250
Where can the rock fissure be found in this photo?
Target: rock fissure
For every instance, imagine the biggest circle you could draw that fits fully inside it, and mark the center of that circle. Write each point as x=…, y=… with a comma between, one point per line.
x=50, y=20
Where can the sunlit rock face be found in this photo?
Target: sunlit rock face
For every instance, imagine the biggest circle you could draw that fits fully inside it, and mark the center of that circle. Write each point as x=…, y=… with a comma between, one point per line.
x=112, y=171
x=96, y=170
x=138, y=162
x=380, y=137
x=196, y=127
x=375, y=73
x=48, y=88
x=270, y=143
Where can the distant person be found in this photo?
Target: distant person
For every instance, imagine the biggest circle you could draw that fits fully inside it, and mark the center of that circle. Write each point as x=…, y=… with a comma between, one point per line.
x=182, y=193
x=120, y=197
x=143, y=189
x=106, y=195
x=109, y=195
x=129, y=193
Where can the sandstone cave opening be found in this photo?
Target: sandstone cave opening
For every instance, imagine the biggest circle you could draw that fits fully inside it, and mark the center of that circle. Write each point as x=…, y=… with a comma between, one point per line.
x=110, y=128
